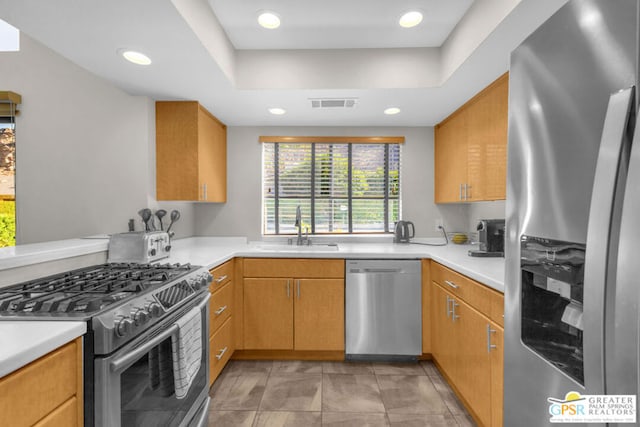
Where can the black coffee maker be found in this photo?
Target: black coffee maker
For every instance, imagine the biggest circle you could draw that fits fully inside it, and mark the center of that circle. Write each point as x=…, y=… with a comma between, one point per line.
x=491, y=238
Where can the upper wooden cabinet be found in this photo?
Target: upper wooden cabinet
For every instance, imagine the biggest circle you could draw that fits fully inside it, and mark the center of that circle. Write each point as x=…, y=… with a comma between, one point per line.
x=471, y=148
x=191, y=153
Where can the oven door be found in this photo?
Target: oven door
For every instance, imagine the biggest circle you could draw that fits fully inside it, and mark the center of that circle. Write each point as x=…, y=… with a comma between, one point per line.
x=134, y=385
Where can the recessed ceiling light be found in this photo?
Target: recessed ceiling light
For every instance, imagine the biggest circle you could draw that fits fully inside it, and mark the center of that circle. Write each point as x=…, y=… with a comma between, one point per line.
x=391, y=111
x=410, y=19
x=269, y=20
x=277, y=111
x=136, y=57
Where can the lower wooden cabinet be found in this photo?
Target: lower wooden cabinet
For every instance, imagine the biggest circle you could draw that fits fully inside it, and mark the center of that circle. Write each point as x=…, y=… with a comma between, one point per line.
x=46, y=392
x=293, y=314
x=220, y=349
x=221, y=318
x=268, y=314
x=289, y=312
x=467, y=344
x=319, y=314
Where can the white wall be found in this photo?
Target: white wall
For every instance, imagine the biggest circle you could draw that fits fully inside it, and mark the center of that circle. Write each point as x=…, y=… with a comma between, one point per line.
x=241, y=215
x=85, y=150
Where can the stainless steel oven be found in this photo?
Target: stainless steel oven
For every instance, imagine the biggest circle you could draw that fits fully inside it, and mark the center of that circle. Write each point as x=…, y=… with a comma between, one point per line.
x=138, y=316
x=129, y=393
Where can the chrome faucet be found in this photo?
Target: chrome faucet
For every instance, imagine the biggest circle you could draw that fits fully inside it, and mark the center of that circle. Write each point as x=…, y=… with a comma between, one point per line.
x=298, y=225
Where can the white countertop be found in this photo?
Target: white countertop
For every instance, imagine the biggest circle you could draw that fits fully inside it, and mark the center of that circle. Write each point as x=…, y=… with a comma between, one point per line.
x=22, y=342
x=33, y=253
x=213, y=251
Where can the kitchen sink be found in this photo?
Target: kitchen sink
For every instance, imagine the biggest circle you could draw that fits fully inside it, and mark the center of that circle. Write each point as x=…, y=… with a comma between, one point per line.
x=284, y=247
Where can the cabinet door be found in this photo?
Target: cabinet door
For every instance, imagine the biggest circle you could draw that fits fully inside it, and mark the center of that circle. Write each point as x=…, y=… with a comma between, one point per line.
x=473, y=378
x=319, y=314
x=497, y=375
x=212, y=158
x=487, y=119
x=450, y=153
x=268, y=314
x=442, y=332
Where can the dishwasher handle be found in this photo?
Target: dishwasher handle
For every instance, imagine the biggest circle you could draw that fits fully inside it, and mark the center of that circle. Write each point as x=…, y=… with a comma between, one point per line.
x=375, y=270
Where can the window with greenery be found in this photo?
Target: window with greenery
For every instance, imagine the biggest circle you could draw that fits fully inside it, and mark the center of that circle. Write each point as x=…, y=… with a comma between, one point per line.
x=341, y=187
x=8, y=103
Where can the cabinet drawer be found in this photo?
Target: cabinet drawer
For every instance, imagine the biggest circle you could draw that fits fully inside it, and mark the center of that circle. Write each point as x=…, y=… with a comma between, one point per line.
x=64, y=415
x=283, y=267
x=220, y=349
x=221, y=274
x=34, y=391
x=220, y=307
x=475, y=294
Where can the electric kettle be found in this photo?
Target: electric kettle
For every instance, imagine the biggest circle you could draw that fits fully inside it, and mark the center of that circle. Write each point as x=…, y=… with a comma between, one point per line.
x=404, y=232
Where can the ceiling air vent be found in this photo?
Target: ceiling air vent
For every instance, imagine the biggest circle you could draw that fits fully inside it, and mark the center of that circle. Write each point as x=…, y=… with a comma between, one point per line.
x=333, y=102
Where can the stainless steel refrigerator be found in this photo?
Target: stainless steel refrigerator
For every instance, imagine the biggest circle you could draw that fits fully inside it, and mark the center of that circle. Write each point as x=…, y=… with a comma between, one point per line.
x=573, y=211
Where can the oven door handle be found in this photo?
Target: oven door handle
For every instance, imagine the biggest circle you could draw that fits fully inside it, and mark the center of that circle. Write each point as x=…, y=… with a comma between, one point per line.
x=120, y=363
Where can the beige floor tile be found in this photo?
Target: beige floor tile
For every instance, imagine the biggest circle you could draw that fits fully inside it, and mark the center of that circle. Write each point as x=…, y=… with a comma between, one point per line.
x=288, y=419
x=351, y=393
x=349, y=419
x=449, y=397
x=292, y=392
x=231, y=418
x=398, y=369
x=242, y=392
x=410, y=394
x=353, y=368
x=422, y=420
x=296, y=367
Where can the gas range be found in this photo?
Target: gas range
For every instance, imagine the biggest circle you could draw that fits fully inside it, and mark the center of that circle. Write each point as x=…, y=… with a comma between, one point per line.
x=118, y=300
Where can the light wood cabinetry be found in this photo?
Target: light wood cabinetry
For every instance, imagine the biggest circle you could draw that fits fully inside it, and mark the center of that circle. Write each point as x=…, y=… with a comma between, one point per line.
x=293, y=304
x=191, y=153
x=221, y=318
x=466, y=341
x=471, y=148
x=47, y=392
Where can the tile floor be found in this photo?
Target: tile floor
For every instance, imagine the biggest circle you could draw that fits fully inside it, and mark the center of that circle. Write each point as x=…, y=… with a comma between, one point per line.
x=306, y=394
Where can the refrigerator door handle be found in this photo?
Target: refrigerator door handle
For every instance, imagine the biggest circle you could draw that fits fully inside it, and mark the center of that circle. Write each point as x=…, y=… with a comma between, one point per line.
x=601, y=230
x=622, y=356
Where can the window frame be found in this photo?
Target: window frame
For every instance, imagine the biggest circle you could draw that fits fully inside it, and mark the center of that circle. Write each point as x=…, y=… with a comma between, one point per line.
x=350, y=142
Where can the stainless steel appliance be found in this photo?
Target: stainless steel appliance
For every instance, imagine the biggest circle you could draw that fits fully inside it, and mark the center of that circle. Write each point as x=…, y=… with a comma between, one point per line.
x=403, y=232
x=383, y=314
x=573, y=209
x=132, y=312
x=491, y=238
x=139, y=246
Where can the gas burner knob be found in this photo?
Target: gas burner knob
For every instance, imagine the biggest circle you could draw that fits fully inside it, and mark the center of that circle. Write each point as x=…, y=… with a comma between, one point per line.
x=141, y=316
x=205, y=279
x=124, y=326
x=167, y=248
x=152, y=252
x=154, y=309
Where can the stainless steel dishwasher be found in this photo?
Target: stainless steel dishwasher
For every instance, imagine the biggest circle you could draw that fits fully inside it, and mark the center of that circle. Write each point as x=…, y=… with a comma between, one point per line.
x=383, y=310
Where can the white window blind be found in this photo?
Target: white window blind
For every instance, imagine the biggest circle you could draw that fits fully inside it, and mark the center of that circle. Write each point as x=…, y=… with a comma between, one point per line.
x=341, y=187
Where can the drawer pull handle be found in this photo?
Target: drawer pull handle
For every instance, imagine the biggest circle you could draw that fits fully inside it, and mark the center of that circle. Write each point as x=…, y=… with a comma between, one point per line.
x=450, y=283
x=454, y=304
x=221, y=279
x=219, y=311
x=489, y=332
x=222, y=352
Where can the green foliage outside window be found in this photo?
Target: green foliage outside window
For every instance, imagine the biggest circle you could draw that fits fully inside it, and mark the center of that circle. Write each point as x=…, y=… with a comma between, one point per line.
x=7, y=223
